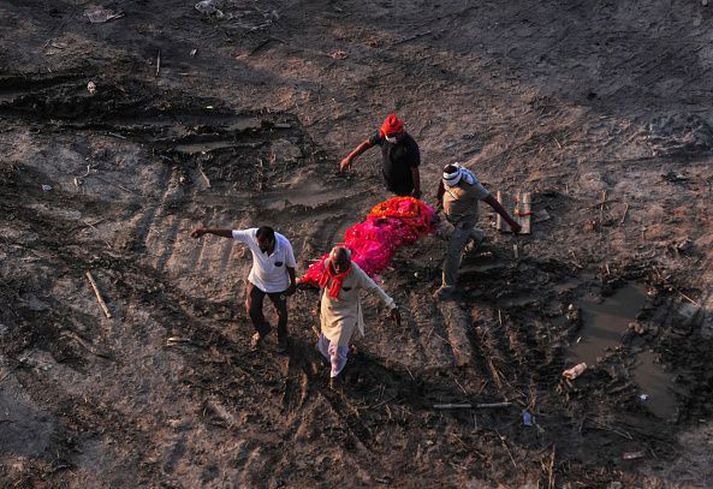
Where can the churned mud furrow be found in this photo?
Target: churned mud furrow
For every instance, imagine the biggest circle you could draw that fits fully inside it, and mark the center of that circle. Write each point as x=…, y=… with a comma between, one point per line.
x=501, y=365
x=431, y=332
x=457, y=323
x=240, y=118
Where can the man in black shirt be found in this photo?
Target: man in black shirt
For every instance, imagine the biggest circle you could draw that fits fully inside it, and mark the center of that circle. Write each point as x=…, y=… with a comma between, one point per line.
x=400, y=154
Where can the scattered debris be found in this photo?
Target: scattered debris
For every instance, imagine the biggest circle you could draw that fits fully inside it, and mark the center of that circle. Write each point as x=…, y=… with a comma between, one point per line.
x=173, y=340
x=638, y=327
x=527, y=419
x=91, y=88
x=573, y=313
x=575, y=371
x=413, y=37
x=386, y=480
x=205, y=177
x=100, y=300
x=623, y=216
x=486, y=405
x=210, y=8
x=338, y=55
x=674, y=177
x=541, y=216
x=99, y=15
x=632, y=455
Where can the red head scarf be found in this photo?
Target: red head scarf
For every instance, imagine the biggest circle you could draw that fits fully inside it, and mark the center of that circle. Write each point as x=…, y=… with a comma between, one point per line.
x=391, y=125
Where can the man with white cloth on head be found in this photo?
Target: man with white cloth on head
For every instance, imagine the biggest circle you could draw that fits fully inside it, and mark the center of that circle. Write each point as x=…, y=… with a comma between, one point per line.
x=341, y=311
x=460, y=192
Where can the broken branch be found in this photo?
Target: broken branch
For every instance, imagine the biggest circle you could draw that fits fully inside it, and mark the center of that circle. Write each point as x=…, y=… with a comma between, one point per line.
x=486, y=405
x=100, y=300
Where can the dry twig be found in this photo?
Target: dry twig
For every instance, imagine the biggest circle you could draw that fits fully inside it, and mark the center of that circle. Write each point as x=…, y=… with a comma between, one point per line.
x=100, y=300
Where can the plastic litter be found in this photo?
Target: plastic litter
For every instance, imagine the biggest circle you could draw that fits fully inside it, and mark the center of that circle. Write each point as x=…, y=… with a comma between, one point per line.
x=47, y=188
x=91, y=88
x=575, y=371
x=527, y=419
x=99, y=15
x=211, y=8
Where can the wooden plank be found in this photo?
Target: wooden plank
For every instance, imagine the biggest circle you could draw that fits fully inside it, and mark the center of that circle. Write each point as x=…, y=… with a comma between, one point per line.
x=519, y=207
x=525, y=213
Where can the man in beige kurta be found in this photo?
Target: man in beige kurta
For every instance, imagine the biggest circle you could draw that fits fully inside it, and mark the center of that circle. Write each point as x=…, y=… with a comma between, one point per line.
x=341, y=315
x=461, y=192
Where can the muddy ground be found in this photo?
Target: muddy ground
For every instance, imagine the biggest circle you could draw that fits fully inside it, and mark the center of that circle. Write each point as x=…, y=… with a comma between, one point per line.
x=601, y=109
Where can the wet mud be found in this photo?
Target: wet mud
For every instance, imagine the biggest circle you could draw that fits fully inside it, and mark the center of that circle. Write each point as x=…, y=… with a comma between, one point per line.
x=243, y=122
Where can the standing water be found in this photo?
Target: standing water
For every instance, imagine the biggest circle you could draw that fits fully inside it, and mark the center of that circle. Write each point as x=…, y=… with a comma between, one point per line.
x=605, y=323
x=603, y=326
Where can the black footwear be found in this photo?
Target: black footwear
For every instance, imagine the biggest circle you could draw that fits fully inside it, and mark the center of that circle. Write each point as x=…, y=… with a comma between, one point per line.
x=281, y=346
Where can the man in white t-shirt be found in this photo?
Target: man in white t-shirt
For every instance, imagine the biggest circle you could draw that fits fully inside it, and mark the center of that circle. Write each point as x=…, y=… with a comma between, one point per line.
x=272, y=274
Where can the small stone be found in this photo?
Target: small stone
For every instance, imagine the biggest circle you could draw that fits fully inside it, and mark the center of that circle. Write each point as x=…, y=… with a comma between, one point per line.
x=638, y=327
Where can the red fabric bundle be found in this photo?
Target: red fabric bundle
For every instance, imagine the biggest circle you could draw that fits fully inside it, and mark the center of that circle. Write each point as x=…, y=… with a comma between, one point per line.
x=390, y=225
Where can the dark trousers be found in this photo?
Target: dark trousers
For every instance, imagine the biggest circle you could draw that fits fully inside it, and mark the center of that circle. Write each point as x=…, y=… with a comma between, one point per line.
x=254, y=298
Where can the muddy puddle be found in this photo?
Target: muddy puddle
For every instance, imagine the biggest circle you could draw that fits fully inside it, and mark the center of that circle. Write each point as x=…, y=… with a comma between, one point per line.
x=604, y=323
x=655, y=385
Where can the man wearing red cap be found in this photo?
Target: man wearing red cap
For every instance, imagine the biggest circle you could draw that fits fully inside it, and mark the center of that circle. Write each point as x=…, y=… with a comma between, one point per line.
x=400, y=154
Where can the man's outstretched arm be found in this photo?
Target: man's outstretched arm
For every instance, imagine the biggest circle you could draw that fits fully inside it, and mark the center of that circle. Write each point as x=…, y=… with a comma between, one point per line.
x=347, y=162
x=223, y=233
x=492, y=202
x=415, y=174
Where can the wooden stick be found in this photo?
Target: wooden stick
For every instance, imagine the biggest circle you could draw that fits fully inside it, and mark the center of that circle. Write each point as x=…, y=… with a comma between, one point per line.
x=623, y=217
x=550, y=471
x=502, y=440
x=486, y=405
x=101, y=302
x=600, y=203
x=601, y=211
x=205, y=177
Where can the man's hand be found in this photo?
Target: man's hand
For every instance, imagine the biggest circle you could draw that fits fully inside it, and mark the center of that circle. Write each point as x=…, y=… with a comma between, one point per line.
x=416, y=193
x=197, y=233
x=346, y=164
x=396, y=316
x=516, y=228
x=291, y=289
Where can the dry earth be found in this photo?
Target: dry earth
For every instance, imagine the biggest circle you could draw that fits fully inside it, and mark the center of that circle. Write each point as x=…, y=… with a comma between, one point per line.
x=244, y=124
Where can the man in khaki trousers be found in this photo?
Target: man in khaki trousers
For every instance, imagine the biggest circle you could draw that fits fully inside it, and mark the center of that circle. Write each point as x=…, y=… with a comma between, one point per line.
x=460, y=192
